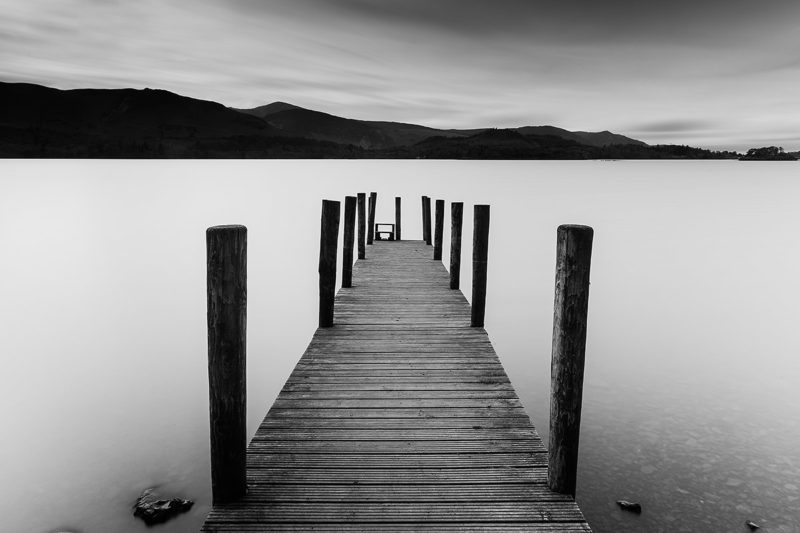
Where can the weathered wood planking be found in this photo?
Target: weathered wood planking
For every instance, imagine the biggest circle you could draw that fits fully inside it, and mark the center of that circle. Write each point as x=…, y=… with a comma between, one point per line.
x=398, y=418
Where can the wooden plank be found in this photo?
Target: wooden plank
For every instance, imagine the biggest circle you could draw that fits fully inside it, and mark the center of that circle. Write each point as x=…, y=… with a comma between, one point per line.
x=366, y=512
x=399, y=418
x=392, y=423
x=448, y=465
x=355, y=475
x=384, y=394
x=522, y=492
x=515, y=527
x=477, y=433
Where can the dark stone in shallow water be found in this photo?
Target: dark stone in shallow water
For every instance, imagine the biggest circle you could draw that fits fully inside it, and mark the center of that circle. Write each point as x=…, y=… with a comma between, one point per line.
x=752, y=525
x=625, y=505
x=153, y=510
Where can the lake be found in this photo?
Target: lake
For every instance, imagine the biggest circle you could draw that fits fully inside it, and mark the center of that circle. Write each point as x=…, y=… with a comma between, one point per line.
x=691, y=402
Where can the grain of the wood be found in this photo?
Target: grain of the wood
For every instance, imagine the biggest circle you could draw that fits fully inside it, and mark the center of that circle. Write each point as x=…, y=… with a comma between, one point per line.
x=438, y=231
x=373, y=201
x=397, y=201
x=573, y=260
x=399, y=418
x=504, y=492
x=426, y=208
x=456, y=221
x=480, y=253
x=226, y=248
x=328, y=241
x=348, y=240
x=463, y=527
x=362, y=225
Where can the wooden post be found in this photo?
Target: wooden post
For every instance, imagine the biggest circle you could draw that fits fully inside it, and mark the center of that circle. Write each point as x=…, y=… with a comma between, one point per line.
x=427, y=208
x=362, y=225
x=373, y=200
x=328, y=240
x=480, y=253
x=424, y=221
x=438, y=234
x=456, y=220
x=573, y=259
x=397, y=218
x=349, y=240
x=226, y=284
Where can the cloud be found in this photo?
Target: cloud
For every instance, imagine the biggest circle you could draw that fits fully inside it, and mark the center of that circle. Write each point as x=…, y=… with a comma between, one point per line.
x=676, y=68
x=673, y=126
x=549, y=21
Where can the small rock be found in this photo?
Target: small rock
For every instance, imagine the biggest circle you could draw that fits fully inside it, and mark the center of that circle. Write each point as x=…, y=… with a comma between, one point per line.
x=153, y=510
x=752, y=525
x=625, y=505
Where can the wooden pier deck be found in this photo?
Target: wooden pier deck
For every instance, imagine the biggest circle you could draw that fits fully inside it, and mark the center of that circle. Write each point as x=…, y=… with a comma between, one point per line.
x=399, y=418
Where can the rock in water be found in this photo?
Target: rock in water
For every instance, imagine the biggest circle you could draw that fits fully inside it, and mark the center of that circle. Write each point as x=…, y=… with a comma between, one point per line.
x=630, y=506
x=153, y=510
x=752, y=525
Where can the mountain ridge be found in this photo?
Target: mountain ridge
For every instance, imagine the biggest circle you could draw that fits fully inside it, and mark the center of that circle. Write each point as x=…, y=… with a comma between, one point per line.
x=373, y=134
x=38, y=121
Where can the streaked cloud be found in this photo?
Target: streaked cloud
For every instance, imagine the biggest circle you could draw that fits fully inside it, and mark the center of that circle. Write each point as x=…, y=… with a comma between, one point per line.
x=672, y=126
x=628, y=66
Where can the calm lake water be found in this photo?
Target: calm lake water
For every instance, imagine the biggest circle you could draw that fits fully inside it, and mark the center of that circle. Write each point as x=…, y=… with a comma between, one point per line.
x=691, y=401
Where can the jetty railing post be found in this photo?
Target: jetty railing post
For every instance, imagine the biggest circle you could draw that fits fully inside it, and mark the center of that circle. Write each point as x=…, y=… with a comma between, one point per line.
x=373, y=200
x=456, y=221
x=328, y=240
x=362, y=225
x=226, y=285
x=397, y=218
x=427, y=210
x=438, y=234
x=573, y=259
x=349, y=240
x=480, y=253
x=424, y=221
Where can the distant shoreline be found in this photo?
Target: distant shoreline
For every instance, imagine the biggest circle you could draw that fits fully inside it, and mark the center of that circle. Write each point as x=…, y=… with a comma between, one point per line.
x=44, y=122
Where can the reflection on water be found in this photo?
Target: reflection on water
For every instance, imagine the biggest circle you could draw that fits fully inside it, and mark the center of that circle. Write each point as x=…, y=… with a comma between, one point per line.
x=690, y=402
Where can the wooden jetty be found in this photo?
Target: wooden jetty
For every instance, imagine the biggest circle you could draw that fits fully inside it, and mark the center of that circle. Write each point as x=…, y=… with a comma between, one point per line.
x=400, y=417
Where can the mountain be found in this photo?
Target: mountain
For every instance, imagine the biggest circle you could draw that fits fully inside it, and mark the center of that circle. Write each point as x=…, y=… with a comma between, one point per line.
x=496, y=144
x=299, y=122
x=511, y=144
x=38, y=121
x=599, y=139
x=269, y=109
x=295, y=121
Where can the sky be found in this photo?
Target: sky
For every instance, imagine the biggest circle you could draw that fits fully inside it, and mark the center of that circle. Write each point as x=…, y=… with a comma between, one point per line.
x=720, y=74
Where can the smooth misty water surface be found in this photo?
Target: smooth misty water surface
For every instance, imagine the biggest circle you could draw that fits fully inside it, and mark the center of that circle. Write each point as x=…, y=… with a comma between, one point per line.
x=691, y=403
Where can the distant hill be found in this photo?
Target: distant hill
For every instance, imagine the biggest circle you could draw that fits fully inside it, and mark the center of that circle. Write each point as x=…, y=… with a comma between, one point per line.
x=511, y=144
x=38, y=121
x=269, y=109
x=602, y=138
x=296, y=121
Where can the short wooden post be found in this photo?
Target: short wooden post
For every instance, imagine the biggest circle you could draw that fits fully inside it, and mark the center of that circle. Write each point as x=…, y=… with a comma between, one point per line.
x=328, y=240
x=480, y=253
x=456, y=220
x=362, y=225
x=438, y=234
x=427, y=208
x=397, y=218
x=226, y=284
x=349, y=240
x=573, y=259
x=373, y=200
